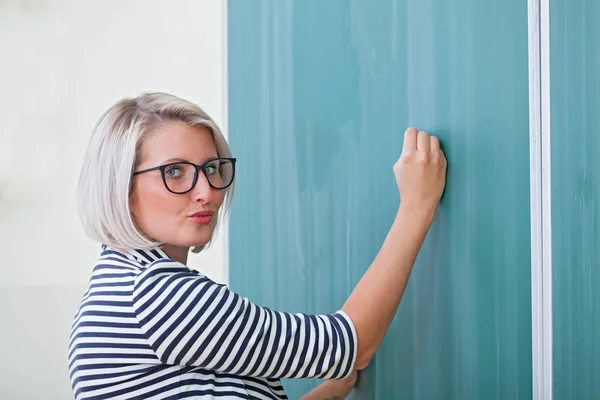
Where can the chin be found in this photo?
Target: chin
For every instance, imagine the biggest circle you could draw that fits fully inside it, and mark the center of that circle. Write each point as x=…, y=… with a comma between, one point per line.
x=198, y=236
x=201, y=243
x=201, y=240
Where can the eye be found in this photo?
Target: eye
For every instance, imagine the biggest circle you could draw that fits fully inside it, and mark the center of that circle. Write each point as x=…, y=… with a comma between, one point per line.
x=174, y=171
x=212, y=167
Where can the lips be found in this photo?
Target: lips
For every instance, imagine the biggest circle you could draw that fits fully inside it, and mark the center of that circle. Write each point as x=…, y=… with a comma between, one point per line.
x=202, y=217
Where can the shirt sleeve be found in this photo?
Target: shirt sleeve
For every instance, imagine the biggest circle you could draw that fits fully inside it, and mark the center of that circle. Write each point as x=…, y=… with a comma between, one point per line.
x=190, y=320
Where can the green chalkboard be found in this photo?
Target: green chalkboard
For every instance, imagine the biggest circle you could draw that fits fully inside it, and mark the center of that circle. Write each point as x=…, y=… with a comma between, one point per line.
x=575, y=138
x=320, y=93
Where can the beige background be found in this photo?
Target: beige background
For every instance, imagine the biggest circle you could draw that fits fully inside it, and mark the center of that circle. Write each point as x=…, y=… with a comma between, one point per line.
x=63, y=63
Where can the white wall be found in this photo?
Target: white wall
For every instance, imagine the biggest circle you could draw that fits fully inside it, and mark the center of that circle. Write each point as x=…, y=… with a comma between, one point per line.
x=63, y=63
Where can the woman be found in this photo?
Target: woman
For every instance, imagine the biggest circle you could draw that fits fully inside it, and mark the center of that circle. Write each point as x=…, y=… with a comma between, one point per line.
x=157, y=180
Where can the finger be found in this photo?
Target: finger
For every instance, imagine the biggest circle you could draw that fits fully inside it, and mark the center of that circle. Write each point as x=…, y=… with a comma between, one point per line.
x=423, y=142
x=410, y=140
x=434, y=144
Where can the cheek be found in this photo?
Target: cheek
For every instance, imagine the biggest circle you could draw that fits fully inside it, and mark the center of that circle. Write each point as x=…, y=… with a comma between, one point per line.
x=218, y=198
x=153, y=208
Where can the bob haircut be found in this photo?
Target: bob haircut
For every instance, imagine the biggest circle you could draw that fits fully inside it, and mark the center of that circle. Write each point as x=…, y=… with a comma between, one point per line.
x=112, y=154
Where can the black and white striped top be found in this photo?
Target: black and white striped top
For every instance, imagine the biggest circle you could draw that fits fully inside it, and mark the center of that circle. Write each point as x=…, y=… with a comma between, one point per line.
x=148, y=327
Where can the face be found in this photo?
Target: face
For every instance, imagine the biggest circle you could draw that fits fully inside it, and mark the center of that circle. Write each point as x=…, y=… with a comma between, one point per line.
x=167, y=217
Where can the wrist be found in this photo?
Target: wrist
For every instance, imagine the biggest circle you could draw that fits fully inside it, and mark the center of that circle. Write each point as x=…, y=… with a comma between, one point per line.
x=420, y=213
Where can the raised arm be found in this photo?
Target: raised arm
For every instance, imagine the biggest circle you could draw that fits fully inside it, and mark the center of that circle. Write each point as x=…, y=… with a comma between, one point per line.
x=190, y=320
x=421, y=176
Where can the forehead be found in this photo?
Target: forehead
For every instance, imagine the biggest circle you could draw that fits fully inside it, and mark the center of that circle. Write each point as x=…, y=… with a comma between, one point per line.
x=178, y=140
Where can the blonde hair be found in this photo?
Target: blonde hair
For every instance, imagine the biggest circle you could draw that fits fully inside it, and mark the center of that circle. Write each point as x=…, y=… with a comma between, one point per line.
x=113, y=150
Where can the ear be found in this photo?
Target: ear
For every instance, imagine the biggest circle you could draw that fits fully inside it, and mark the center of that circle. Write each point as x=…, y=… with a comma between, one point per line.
x=133, y=202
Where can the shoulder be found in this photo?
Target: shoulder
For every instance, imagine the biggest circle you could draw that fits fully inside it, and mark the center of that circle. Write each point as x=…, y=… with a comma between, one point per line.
x=167, y=266
x=170, y=273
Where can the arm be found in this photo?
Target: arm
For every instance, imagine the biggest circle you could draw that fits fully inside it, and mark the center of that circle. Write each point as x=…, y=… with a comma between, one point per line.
x=190, y=320
x=333, y=390
x=420, y=175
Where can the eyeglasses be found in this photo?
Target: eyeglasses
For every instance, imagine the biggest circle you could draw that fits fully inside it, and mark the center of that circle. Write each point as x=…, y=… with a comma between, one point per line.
x=181, y=177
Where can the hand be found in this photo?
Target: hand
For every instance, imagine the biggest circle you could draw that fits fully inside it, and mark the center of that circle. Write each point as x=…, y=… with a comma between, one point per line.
x=421, y=171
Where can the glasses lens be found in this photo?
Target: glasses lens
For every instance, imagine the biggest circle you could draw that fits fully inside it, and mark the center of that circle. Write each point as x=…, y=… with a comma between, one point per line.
x=220, y=173
x=179, y=178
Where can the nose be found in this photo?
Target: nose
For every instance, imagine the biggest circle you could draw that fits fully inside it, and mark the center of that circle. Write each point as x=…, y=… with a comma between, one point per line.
x=202, y=191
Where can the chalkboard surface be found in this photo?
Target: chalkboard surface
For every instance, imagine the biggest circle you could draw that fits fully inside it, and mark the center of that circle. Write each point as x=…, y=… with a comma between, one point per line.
x=575, y=131
x=320, y=93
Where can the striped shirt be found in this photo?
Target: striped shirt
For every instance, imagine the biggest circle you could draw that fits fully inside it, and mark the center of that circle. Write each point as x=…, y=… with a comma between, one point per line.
x=149, y=327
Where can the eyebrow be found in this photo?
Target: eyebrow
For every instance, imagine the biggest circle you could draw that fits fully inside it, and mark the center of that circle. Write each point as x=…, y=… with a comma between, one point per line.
x=178, y=159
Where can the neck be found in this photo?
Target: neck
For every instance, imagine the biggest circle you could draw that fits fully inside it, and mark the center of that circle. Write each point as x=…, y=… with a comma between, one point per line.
x=177, y=253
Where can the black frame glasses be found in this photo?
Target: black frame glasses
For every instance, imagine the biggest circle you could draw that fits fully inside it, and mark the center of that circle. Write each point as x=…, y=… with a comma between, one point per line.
x=163, y=168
